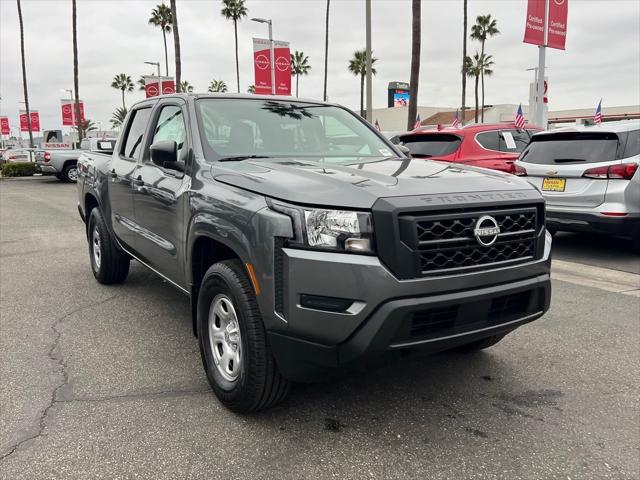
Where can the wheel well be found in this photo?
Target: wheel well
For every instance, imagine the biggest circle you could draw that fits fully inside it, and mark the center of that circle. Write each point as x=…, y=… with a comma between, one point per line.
x=69, y=162
x=90, y=203
x=206, y=251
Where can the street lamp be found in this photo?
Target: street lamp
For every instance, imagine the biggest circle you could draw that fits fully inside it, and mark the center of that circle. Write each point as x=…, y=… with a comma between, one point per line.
x=157, y=64
x=272, y=59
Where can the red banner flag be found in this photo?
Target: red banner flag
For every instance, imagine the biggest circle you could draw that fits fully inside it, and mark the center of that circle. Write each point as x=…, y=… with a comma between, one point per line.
x=168, y=86
x=154, y=86
x=558, y=13
x=67, y=112
x=4, y=126
x=151, y=88
x=535, y=24
x=262, y=67
x=35, y=121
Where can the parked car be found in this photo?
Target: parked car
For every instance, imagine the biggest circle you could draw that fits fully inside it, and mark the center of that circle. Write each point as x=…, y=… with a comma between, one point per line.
x=589, y=177
x=494, y=146
x=63, y=163
x=19, y=155
x=306, y=241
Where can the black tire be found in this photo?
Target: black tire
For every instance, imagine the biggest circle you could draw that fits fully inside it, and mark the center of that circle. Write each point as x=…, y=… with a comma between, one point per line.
x=112, y=265
x=480, y=344
x=258, y=384
x=70, y=173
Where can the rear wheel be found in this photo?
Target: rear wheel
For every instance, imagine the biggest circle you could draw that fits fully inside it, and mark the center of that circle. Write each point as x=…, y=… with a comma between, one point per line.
x=480, y=344
x=109, y=265
x=236, y=356
x=70, y=173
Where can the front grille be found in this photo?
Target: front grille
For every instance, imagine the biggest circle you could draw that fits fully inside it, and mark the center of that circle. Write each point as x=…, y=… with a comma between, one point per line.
x=443, y=242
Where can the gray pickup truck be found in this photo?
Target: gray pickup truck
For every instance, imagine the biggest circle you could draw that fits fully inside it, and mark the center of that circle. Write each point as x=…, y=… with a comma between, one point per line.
x=62, y=163
x=307, y=242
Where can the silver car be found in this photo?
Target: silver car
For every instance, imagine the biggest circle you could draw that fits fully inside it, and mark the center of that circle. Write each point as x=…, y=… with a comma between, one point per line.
x=589, y=177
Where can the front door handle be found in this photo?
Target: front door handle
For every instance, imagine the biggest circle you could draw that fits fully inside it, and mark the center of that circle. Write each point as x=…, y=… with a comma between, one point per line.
x=113, y=174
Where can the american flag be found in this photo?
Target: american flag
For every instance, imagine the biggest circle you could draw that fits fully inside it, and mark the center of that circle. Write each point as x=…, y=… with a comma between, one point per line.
x=418, y=123
x=377, y=125
x=597, y=118
x=520, y=122
x=456, y=121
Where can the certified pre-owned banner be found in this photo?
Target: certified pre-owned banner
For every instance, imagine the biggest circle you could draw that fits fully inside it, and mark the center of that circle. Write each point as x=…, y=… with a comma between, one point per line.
x=4, y=126
x=68, y=109
x=558, y=13
x=35, y=121
x=535, y=25
x=262, y=66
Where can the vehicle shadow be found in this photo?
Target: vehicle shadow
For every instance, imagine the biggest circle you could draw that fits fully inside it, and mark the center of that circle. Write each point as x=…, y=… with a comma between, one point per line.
x=596, y=249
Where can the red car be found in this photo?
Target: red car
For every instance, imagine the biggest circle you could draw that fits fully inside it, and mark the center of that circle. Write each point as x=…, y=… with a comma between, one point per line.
x=496, y=146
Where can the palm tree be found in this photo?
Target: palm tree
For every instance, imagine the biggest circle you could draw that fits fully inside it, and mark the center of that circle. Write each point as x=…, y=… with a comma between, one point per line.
x=186, y=87
x=122, y=82
x=217, y=86
x=161, y=17
x=476, y=67
x=326, y=50
x=141, y=84
x=234, y=10
x=117, y=117
x=86, y=127
x=415, y=64
x=464, y=58
x=24, y=75
x=251, y=89
x=299, y=66
x=176, y=43
x=484, y=28
x=358, y=66
x=76, y=81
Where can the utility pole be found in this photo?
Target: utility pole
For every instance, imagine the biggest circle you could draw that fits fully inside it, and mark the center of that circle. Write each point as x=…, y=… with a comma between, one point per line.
x=369, y=114
x=542, y=51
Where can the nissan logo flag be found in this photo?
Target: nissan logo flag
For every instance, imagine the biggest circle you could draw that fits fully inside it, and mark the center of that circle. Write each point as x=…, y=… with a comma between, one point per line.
x=35, y=121
x=68, y=110
x=558, y=13
x=154, y=86
x=262, y=66
x=4, y=126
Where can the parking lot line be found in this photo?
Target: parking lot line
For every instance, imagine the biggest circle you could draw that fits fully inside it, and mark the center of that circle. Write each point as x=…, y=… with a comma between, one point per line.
x=603, y=278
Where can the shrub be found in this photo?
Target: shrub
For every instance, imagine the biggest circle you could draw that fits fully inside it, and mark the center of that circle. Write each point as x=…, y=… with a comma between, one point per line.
x=18, y=169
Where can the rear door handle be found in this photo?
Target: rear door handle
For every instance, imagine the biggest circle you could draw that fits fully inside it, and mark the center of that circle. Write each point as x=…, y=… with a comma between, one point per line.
x=138, y=182
x=113, y=174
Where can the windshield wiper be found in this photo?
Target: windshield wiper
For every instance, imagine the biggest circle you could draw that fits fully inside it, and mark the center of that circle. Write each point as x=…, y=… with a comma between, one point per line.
x=237, y=158
x=567, y=160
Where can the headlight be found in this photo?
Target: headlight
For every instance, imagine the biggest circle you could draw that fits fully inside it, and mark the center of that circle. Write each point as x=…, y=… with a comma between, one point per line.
x=338, y=230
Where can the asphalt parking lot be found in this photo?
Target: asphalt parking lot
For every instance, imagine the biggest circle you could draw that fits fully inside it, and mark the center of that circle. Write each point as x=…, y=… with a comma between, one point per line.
x=106, y=382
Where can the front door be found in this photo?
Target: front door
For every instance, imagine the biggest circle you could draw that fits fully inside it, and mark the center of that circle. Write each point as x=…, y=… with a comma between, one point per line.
x=122, y=174
x=160, y=199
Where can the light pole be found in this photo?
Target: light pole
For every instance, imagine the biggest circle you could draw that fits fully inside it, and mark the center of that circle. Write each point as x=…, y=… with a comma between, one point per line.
x=157, y=64
x=271, y=55
x=369, y=113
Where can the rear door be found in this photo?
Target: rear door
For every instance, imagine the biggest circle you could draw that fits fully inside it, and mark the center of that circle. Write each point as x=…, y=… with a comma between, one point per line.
x=160, y=195
x=124, y=166
x=556, y=163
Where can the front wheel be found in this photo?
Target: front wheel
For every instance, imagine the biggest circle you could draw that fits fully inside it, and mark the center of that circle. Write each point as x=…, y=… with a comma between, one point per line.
x=109, y=265
x=236, y=356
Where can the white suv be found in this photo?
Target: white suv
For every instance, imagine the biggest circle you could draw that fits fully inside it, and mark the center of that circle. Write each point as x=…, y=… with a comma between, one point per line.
x=589, y=177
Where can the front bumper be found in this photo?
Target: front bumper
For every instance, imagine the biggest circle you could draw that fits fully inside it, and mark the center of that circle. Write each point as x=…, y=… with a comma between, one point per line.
x=576, y=221
x=435, y=313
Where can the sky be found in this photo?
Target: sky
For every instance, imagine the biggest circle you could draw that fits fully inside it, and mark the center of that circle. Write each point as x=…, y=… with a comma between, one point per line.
x=602, y=58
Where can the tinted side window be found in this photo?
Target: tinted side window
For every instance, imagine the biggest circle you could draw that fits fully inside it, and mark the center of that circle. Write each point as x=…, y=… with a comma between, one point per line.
x=431, y=145
x=135, y=132
x=489, y=140
x=514, y=141
x=633, y=144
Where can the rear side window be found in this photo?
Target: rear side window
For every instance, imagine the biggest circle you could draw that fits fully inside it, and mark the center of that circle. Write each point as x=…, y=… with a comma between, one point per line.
x=633, y=144
x=489, y=140
x=135, y=131
x=431, y=145
x=571, y=148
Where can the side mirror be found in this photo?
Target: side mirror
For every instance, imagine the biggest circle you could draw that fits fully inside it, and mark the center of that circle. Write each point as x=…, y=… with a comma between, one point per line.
x=404, y=149
x=165, y=154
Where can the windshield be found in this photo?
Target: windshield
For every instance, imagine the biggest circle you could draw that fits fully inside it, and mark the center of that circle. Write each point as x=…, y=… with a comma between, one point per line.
x=571, y=148
x=431, y=144
x=278, y=128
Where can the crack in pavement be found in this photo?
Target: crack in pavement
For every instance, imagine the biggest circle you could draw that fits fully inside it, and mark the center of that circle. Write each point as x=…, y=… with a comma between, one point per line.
x=59, y=361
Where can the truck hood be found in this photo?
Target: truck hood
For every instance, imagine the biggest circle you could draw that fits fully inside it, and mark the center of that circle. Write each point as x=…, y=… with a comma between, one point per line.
x=358, y=185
